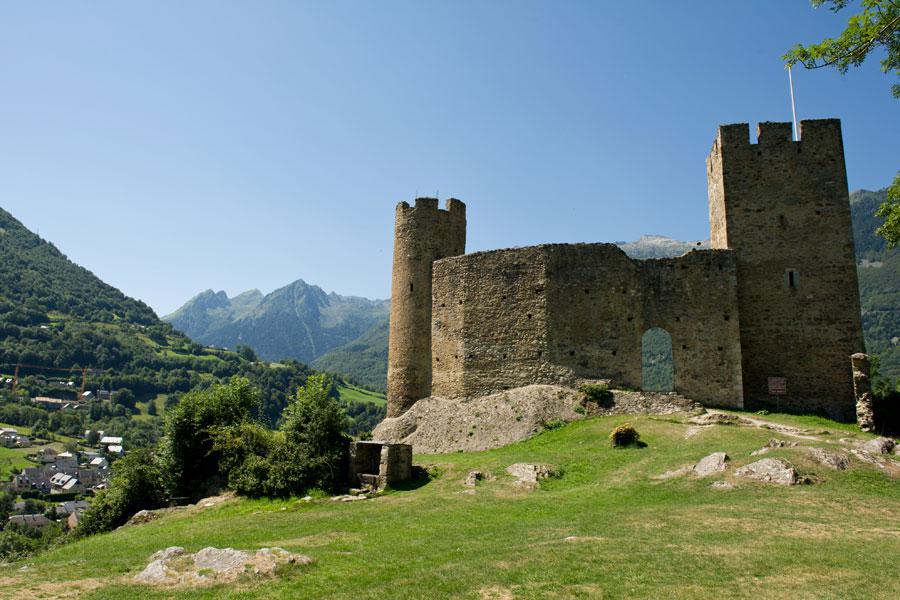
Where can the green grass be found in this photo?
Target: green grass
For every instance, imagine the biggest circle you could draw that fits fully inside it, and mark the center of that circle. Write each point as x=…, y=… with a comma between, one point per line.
x=143, y=415
x=14, y=459
x=603, y=529
x=351, y=392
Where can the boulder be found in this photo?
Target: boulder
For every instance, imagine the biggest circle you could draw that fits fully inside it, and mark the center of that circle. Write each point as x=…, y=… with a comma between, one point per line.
x=714, y=463
x=209, y=566
x=834, y=460
x=882, y=445
x=770, y=470
x=773, y=443
x=219, y=559
x=528, y=475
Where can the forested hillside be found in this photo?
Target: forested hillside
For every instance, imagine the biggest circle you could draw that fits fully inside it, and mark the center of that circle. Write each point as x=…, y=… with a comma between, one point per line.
x=61, y=326
x=879, y=283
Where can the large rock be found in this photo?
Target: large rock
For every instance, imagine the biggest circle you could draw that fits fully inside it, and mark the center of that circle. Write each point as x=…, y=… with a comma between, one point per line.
x=529, y=475
x=714, y=463
x=773, y=443
x=770, y=470
x=172, y=567
x=835, y=460
x=882, y=445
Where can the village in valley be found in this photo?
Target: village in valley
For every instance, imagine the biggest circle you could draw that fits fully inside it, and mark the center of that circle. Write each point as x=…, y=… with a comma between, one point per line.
x=51, y=476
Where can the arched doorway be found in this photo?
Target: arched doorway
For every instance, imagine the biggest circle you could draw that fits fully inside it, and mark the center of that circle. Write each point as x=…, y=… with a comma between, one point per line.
x=657, y=365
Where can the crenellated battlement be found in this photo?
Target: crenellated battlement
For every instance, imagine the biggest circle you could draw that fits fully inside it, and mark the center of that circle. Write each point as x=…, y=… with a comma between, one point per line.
x=821, y=134
x=425, y=204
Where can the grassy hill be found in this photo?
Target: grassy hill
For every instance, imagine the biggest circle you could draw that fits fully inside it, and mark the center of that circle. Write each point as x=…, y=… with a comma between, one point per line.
x=603, y=528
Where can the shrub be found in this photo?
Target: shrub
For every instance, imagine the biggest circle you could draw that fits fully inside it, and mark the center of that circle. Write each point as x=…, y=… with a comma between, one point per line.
x=309, y=451
x=624, y=436
x=138, y=483
x=597, y=393
x=187, y=448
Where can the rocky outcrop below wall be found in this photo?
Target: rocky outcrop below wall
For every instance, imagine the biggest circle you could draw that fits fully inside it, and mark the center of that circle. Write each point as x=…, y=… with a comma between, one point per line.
x=435, y=425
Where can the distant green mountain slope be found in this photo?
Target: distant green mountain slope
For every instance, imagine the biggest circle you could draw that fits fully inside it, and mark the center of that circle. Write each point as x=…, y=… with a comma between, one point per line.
x=363, y=360
x=57, y=318
x=879, y=282
x=298, y=321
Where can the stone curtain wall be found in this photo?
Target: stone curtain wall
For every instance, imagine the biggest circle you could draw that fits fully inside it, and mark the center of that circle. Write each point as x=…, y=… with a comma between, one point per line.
x=422, y=234
x=561, y=313
x=783, y=206
x=694, y=298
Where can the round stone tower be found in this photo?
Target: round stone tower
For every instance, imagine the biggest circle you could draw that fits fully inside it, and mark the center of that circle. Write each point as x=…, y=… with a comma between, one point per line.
x=422, y=234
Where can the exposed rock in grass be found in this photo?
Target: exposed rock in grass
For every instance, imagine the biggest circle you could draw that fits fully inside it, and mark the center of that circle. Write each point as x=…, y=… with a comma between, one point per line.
x=717, y=418
x=882, y=445
x=722, y=485
x=475, y=476
x=835, y=460
x=144, y=516
x=770, y=470
x=708, y=465
x=529, y=475
x=172, y=567
x=714, y=463
x=773, y=443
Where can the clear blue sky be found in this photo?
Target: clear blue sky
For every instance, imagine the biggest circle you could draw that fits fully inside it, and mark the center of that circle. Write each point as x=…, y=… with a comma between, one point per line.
x=172, y=147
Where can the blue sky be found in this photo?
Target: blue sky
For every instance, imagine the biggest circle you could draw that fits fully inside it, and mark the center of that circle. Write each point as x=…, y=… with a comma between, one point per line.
x=171, y=147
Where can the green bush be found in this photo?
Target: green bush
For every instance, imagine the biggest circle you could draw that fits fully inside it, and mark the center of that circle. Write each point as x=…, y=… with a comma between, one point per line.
x=138, y=483
x=188, y=446
x=597, y=393
x=309, y=451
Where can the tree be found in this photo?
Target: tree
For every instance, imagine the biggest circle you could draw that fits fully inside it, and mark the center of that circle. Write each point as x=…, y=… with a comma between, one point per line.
x=138, y=483
x=188, y=448
x=877, y=25
x=314, y=424
x=246, y=352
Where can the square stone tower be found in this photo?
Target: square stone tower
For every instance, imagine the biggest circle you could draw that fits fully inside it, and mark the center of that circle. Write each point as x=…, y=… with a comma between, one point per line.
x=783, y=207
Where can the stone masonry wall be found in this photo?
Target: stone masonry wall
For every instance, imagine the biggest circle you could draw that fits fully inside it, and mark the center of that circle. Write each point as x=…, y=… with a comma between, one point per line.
x=783, y=207
x=561, y=313
x=422, y=234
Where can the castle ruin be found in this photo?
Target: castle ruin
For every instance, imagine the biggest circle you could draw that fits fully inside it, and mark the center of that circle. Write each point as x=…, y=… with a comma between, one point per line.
x=767, y=317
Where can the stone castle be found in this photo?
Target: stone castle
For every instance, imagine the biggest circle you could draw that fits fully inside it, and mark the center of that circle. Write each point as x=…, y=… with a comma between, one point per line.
x=767, y=317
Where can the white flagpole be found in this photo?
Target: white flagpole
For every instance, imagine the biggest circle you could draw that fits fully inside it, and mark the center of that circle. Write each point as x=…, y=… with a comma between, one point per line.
x=793, y=107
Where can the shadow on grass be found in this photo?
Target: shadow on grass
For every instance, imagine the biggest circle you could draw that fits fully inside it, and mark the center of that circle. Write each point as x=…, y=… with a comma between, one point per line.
x=420, y=477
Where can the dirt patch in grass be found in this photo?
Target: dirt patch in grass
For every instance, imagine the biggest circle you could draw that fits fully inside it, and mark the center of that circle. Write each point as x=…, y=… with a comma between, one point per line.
x=22, y=588
x=495, y=592
x=313, y=541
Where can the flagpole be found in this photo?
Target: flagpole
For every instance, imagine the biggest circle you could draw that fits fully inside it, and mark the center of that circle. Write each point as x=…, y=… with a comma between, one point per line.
x=793, y=107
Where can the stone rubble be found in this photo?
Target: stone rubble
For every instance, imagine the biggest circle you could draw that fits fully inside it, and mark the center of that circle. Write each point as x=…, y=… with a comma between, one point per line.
x=770, y=470
x=708, y=465
x=835, y=460
x=773, y=443
x=717, y=418
x=529, y=475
